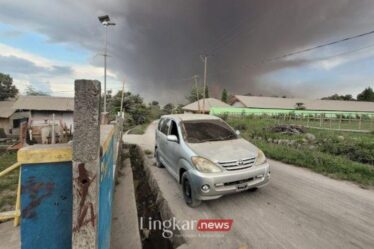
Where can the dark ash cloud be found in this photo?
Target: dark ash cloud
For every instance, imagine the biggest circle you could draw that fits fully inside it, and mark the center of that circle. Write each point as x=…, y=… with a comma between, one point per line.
x=157, y=43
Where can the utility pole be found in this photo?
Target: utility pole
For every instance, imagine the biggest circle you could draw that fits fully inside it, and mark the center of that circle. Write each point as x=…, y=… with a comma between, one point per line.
x=123, y=92
x=197, y=93
x=205, y=60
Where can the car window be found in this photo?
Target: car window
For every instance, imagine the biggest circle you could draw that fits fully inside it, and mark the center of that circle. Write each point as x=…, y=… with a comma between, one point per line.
x=165, y=126
x=199, y=131
x=174, y=129
x=160, y=124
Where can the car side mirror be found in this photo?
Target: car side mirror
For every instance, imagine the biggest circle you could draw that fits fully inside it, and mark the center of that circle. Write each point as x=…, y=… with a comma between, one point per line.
x=172, y=138
x=237, y=132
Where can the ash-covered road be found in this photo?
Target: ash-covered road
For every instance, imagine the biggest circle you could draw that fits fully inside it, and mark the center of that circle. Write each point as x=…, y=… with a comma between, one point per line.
x=298, y=209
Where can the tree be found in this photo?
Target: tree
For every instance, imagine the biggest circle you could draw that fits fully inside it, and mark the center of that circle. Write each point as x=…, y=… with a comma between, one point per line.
x=30, y=91
x=154, y=103
x=366, y=95
x=155, y=110
x=7, y=89
x=224, y=96
x=347, y=97
x=194, y=94
x=178, y=109
x=133, y=106
x=168, y=108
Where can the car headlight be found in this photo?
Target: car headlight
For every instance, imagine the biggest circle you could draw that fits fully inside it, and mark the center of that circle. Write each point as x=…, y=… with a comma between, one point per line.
x=204, y=165
x=261, y=158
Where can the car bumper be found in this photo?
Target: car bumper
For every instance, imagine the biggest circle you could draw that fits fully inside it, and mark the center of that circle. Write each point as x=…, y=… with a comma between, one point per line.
x=229, y=182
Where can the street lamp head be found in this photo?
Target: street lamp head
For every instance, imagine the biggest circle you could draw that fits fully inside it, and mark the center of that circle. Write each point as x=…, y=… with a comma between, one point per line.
x=103, y=19
x=109, y=24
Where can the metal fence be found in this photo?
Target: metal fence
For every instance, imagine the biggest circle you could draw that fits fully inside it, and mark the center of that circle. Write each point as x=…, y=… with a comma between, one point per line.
x=328, y=121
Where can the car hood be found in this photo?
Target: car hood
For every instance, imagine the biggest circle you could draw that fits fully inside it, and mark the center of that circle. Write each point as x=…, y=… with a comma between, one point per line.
x=225, y=150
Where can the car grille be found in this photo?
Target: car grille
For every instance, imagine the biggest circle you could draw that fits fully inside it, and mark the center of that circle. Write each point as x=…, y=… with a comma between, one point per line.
x=238, y=182
x=238, y=164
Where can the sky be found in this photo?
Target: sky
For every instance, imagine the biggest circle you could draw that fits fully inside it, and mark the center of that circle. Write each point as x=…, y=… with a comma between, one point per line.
x=156, y=46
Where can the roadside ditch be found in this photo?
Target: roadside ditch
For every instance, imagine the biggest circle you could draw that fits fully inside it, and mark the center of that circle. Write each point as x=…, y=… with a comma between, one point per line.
x=151, y=206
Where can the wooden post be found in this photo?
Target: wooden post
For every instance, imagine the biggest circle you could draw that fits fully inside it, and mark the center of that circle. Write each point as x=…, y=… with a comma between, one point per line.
x=320, y=121
x=86, y=163
x=360, y=122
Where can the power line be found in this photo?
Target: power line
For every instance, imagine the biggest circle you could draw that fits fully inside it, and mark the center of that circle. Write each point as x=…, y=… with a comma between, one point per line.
x=319, y=46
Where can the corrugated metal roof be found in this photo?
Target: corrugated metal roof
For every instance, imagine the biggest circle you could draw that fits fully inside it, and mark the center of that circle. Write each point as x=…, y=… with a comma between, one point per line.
x=209, y=103
x=309, y=104
x=44, y=103
x=6, y=108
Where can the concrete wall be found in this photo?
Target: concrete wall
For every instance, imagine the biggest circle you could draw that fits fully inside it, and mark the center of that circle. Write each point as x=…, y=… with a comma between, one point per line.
x=67, y=191
x=46, y=196
x=47, y=193
x=109, y=147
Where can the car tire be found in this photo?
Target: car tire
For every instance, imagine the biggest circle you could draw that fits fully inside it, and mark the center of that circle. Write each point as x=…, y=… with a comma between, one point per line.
x=158, y=162
x=188, y=194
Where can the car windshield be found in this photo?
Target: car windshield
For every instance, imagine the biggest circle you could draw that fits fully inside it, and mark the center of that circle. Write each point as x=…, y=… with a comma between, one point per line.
x=199, y=131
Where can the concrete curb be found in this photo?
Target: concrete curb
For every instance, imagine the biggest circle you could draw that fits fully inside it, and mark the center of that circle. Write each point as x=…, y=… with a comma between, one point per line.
x=125, y=225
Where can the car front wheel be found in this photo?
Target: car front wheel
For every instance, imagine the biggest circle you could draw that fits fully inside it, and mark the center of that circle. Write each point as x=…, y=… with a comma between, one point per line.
x=188, y=194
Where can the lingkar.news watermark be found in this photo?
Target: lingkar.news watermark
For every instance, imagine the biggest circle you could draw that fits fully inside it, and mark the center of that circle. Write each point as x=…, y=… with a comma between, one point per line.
x=168, y=227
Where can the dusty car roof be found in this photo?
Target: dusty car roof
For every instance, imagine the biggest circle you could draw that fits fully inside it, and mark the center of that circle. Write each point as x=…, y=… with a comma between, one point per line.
x=186, y=117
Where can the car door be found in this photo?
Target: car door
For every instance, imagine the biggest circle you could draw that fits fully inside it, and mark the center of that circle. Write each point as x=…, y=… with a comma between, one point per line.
x=173, y=148
x=162, y=140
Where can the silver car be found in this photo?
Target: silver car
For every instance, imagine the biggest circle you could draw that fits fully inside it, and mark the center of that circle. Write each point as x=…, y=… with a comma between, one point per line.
x=209, y=158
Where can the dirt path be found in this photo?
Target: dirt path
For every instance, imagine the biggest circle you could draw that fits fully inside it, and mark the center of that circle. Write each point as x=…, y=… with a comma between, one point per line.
x=298, y=209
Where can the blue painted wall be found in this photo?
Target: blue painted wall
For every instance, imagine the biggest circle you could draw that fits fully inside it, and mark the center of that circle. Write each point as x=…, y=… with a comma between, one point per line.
x=46, y=205
x=106, y=194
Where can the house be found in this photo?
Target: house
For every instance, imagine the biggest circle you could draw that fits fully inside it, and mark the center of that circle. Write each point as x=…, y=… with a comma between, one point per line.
x=6, y=112
x=197, y=106
x=39, y=110
x=273, y=103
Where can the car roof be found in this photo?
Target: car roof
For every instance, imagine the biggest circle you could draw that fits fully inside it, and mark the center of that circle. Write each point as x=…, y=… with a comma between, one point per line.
x=190, y=117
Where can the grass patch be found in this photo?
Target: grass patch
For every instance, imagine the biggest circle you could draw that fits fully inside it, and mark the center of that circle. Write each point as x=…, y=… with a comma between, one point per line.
x=139, y=129
x=333, y=166
x=338, y=154
x=8, y=183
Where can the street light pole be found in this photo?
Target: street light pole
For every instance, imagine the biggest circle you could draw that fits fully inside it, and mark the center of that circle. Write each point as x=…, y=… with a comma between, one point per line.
x=105, y=20
x=105, y=63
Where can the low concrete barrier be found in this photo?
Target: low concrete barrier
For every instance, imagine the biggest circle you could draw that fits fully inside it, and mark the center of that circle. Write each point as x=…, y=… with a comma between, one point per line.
x=46, y=196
